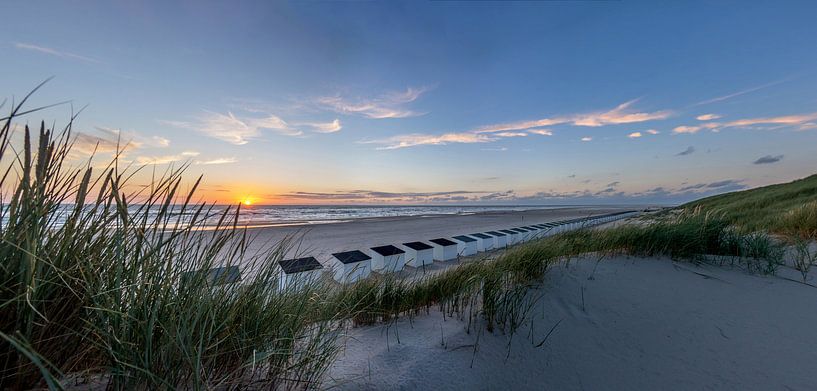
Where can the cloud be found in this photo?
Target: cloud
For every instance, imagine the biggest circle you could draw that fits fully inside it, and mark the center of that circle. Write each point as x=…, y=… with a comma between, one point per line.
x=688, y=151
x=707, y=117
x=54, y=52
x=500, y=149
x=768, y=159
x=541, y=132
x=652, y=131
x=798, y=121
x=389, y=105
x=165, y=159
x=621, y=114
x=232, y=129
x=587, y=138
x=634, y=135
x=224, y=160
x=510, y=134
x=133, y=139
x=411, y=140
x=739, y=93
x=686, y=129
x=324, y=127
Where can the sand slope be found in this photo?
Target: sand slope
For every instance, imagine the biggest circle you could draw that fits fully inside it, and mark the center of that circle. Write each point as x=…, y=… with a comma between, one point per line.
x=645, y=324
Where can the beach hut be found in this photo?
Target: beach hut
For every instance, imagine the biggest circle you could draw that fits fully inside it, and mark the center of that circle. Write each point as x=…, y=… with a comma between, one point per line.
x=296, y=273
x=444, y=249
x=387, y=259
x=524, y=234
x=418, y=254
x=533, y=232
x=466, y=245
x=513, y=236
x=484, y=242
x=500, y=239
x=351, y=266
x=215, y=276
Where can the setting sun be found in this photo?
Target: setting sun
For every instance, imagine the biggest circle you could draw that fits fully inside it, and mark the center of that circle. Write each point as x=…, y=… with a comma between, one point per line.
x=246, y=201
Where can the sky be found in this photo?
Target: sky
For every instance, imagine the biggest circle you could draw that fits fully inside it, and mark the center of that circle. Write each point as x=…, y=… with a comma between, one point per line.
x=443, y=102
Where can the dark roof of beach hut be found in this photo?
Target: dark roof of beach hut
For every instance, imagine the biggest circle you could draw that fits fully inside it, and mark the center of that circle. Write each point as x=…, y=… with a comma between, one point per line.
x=351, y=256
x=520, y=230
x=443, y=242
x=417, y=246
x=465, y=239
x=508, y=231
x=299, y=265
x=494, y=233
x=481, y=236
x=387, y=250
x=215, y=276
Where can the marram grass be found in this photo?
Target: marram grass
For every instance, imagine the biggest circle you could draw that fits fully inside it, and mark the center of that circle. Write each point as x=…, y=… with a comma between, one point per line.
x=98, y=296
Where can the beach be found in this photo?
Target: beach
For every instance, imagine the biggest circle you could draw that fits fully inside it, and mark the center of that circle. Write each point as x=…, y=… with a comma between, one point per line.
x=617, y=324
x=321, y=240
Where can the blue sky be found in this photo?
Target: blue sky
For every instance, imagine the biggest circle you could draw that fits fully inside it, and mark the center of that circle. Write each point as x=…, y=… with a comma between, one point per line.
x=439, y=102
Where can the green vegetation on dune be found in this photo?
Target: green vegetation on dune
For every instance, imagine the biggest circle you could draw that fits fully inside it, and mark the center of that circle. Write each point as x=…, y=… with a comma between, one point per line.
x=787, y=208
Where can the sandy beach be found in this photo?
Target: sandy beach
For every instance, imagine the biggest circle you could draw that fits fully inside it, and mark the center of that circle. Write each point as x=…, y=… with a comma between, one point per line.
x=622, y=323
x=321, y=240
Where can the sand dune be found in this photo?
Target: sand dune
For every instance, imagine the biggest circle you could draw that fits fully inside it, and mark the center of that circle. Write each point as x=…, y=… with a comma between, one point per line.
x=623, y=323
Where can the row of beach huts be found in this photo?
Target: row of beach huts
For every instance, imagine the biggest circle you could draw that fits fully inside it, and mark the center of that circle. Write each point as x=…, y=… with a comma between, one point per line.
x=354, y=265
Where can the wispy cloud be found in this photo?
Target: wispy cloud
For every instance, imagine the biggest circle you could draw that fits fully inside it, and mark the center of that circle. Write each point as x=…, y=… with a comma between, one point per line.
x=388, y=105
x=768, y=159
x=232, y=129
x=411, y=140
x=621, y=114
x=739, y=93
x=707, y=117
x=324, y=127
x=798, y=121
x=541, y=132
x=688, y=151
x=686, y=129
x=634, y=135
x=165, y=159
x=587, y=138
x=54, y=52
x=652, y=131
x=224, y=160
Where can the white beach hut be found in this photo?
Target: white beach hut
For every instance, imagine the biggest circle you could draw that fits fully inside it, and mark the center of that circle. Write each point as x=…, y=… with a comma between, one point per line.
x=444, y=249
x=513, y=236
x=387, y=259
x=500, y=239
x=351, y=266
x=535, y=232
x=466, y=245
x=212, y=277
x=297, y=273
x=524, y=234
x=485, y=242
x=418, y=254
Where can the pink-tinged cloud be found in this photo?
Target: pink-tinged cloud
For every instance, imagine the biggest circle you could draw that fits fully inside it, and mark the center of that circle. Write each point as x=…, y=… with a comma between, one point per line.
x=411, y=140
x=541, y=132
x=707, y=117
x=652, y=131
x=634, y=135
x=621, y=114
x=389, y=105
x=686, y=129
